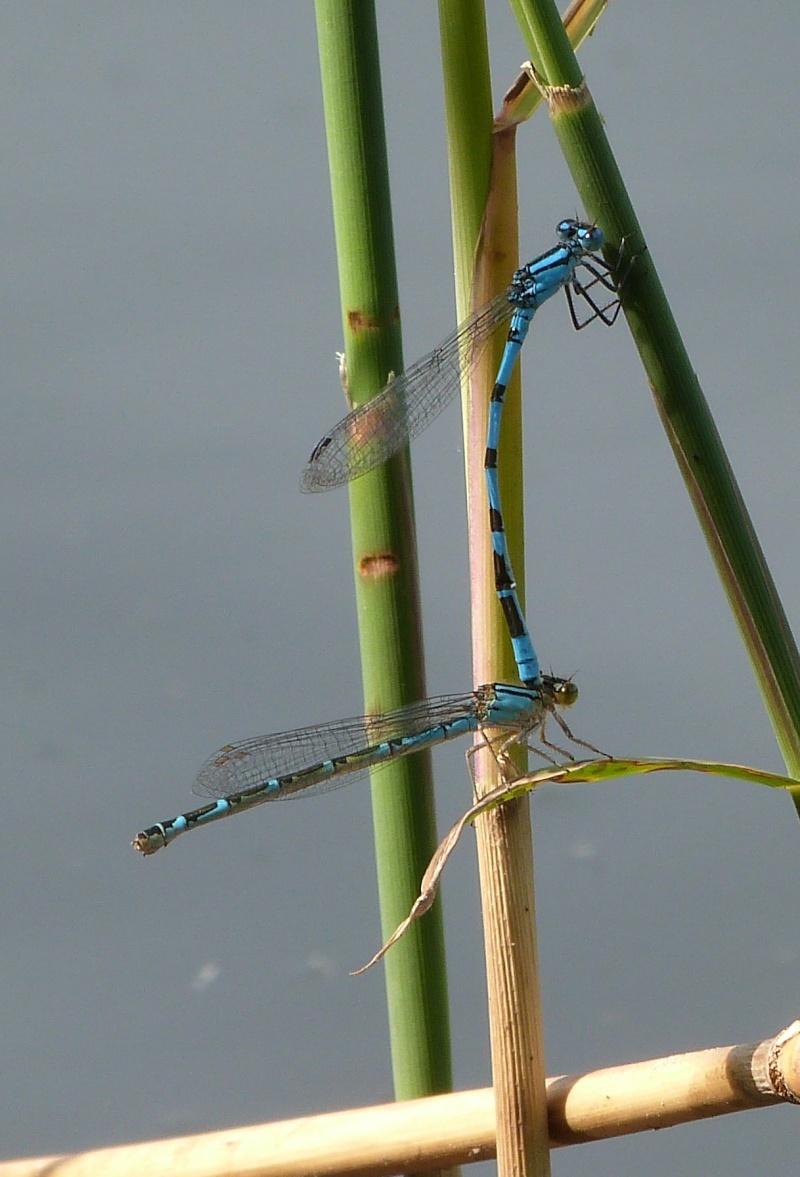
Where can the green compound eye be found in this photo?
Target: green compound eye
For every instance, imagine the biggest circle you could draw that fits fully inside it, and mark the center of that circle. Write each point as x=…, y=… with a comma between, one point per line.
x=565, y=692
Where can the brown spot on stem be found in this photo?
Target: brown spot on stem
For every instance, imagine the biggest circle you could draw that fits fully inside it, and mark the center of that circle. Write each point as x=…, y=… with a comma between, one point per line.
x=358, y=321
x=380, y=565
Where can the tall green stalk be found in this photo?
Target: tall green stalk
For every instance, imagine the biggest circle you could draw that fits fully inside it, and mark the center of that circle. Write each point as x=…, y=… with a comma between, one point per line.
x=684, y=411
x=383, y=531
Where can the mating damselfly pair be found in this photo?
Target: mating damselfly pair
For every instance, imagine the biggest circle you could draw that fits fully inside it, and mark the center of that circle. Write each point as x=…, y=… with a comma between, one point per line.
x=250, y=772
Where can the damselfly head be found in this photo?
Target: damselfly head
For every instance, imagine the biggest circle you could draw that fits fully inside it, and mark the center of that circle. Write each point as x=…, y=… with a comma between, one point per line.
x=588, y=237
x=564, y=691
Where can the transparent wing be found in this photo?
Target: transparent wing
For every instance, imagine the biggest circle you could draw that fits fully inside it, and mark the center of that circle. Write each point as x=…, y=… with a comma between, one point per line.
x=248, y=763
x=375, y=431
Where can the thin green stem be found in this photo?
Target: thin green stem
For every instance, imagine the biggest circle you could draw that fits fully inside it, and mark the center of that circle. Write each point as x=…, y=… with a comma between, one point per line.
x=384, y=549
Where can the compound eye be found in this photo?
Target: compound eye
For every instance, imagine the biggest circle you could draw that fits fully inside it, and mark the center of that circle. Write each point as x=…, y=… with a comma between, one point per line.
x=591, y=237
x=566, y=693
x=566, y=230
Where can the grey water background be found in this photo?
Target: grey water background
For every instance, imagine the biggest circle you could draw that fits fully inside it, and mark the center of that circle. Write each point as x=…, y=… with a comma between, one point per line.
x=170, y=322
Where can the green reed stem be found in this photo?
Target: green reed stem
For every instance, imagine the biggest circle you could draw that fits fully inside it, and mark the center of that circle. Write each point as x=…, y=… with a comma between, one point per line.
x=383, y=532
